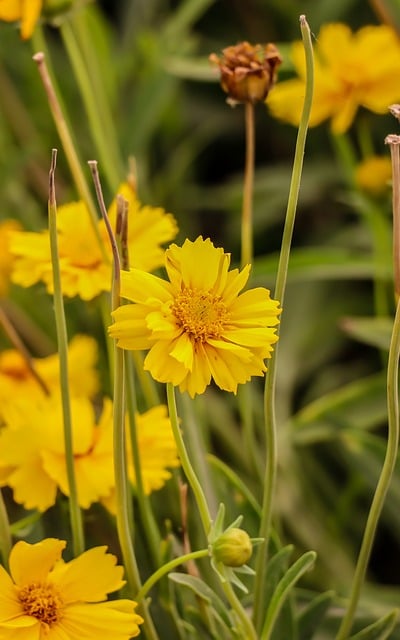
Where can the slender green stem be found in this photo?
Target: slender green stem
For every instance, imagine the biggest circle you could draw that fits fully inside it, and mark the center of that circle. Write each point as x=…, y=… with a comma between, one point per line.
x=270, y=381
x=185, y=462
x=69, y=146
x=196, y=445
x=167, y=567
x=247, y=207
x=62, y=344
x=91, y=104
x=384, y=479
x=123, y=512
x=5, y=532
x=248, y=631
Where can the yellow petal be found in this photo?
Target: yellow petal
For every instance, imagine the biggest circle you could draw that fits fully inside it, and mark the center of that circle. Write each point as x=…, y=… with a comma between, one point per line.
x=86, y=622
x=30, y=14
x=33, y=562
x=89, y=577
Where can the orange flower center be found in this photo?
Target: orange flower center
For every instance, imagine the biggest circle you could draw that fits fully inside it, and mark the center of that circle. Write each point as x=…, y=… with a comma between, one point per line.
x=201, y=314
x=41, y=601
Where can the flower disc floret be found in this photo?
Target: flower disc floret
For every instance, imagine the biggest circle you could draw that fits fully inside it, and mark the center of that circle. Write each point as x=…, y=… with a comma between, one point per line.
x=41, y=601
x=198, y=326
x=200, y=314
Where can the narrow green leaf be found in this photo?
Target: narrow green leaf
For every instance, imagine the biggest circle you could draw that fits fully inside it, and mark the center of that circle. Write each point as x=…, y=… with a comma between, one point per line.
x=202, y=590
x=380, y=629
x=313, y=614
x=283, y=589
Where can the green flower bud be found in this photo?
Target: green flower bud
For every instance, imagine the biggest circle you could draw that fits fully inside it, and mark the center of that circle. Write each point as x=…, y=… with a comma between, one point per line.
x=233, y=548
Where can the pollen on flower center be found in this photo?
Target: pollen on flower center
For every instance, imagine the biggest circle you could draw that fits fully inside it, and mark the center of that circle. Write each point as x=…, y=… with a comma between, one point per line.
x=201, y=314
x=41, y=601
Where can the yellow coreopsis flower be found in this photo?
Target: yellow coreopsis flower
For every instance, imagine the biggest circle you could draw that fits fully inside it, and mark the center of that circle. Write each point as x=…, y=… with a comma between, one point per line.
x=26, y=11
x=45, y=597
x=32, y=456
x=6, y=258
x=85, y=268
x=16, y=377
x=197, y=326
x=352, y=70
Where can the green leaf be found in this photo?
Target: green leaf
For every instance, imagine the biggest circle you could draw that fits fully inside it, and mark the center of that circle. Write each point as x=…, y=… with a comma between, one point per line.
x=380, y=629
x=312, y=615
x=283, y=589
x=203, y=591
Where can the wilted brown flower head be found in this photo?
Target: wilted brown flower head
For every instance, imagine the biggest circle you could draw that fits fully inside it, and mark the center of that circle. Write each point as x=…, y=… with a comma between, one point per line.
x=248, y=72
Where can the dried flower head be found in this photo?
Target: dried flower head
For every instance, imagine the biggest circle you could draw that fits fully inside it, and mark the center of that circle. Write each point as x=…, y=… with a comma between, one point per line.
x=248, y=72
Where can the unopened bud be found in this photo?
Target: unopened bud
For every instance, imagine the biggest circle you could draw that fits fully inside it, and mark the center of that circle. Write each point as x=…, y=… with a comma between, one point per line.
x=233, y=548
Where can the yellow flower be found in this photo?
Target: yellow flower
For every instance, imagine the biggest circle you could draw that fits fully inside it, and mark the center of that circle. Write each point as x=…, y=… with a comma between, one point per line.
x=32, y=457
x=27, y=11
x=373, y=175
x=45, y=597
x=352, y=70
x=85, y=271
x=6, y=258
x=197, y=326
x=17, y=379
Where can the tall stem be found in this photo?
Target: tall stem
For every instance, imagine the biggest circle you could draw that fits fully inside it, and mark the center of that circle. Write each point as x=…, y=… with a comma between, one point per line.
x=123, y=515
x=384, y=480
x=247, y=207
x=270, y=381
x=62, y=344
x=185, y=462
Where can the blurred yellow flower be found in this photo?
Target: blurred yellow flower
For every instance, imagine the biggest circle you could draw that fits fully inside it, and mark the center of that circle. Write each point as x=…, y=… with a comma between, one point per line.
x=32, y=458
x=85, y=271
x=45, y=597
x=373, y=175
x=16, y=378
x=197, y=326
x=6, y=258
x=26, y=11
x=352, y=70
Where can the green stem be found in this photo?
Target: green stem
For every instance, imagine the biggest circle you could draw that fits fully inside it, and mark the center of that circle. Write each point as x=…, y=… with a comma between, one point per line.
x=91, y=103
x=122, y=495
x=185, y=462
x=247, y=207
x=5, y=532
x=383, y=483
x=62, y=344
x=248, y=630
x=270, y=380
x=167, y=567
